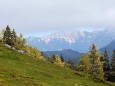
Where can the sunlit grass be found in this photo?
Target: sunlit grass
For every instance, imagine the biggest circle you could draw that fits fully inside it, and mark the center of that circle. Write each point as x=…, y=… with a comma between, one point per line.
x=18, y=69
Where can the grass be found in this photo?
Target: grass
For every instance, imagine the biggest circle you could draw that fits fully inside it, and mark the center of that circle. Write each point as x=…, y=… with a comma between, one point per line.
x=18, y=69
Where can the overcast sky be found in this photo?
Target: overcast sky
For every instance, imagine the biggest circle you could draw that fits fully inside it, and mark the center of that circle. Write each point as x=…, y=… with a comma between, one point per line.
x=46, y=16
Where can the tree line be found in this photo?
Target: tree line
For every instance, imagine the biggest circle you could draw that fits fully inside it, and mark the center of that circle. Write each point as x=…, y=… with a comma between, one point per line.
x=18, y=43
x=98, y=65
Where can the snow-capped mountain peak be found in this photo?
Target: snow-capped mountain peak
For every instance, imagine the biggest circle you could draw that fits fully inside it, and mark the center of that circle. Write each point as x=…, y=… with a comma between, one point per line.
x=75, y=40
x=69, y=37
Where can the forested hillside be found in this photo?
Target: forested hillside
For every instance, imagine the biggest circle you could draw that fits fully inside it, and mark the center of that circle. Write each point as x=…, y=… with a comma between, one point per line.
x=23, y=65
x=18, y=69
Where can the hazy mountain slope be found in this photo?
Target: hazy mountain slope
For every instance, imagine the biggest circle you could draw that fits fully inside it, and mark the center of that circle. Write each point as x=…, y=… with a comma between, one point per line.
x=67, y=54
x=75, y=40
x=21, y=70
x=110, y=47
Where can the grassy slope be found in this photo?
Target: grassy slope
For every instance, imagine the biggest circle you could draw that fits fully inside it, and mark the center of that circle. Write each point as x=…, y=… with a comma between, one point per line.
x=21, y=70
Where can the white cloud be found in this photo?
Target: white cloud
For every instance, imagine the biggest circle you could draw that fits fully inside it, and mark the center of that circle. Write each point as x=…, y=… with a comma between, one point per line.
x=45, y=15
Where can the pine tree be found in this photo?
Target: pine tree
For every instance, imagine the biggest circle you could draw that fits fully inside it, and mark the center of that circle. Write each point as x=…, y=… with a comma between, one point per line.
x=102, y=58
x=106, y=65
x=70, y=61
x=21, y=36
x=21, y=43
x=61, y=57
x=13, y=38
x=7, y=36
x=96, y=65
x=70, y=64
x=113, y=61
x=53, y=58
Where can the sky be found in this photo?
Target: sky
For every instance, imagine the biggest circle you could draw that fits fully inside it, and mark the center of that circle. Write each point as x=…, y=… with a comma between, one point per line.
x=41, y=17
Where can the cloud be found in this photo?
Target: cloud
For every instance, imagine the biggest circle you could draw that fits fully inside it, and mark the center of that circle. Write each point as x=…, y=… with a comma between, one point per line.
x=44, y=15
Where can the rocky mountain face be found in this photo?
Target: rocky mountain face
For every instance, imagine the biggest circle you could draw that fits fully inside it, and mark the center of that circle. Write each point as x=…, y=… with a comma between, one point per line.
x=75, y=40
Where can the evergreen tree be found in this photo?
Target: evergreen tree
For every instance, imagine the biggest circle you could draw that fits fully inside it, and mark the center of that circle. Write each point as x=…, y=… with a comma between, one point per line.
x=113, y=61
x=21, y=36
x=22, y=40
x=13, y=38
x=84, y=64
x=7, y=36
x=61, y=57
x=21, y=43
x=106, y=65
x=70, y=61
x=102, y=58
x=70, y=64
x=96, y=65
x=53, y=58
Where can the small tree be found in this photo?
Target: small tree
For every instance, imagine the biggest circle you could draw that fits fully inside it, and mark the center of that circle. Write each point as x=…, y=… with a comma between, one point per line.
x=61, y=57
x=2, y=35
x=7, y=36
x=21, y=43
x=13, y=38
x=96, y=65
x=70, y=61
x=70, y=64
x=106, y=65
x=84, y=64
x=113, y=61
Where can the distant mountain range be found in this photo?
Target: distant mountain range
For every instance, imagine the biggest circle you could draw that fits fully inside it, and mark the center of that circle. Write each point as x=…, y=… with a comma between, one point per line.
x=67, y=54
x=75, y=40
x=74, y=55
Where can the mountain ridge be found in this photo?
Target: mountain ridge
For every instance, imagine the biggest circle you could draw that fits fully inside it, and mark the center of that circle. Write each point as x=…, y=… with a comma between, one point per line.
x=110, y=47
x=77, y=41
x=67, y=54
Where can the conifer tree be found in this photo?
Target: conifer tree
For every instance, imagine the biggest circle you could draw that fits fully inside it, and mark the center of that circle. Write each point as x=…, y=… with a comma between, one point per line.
x=102, y=58
x=7, y=36
x=113, y=61
x=106, y=65
x=61, y=57
x=96, y=65
x=53, y=58
x=70, y=61
x=84, y=64
x=21, y=35
x=21, y=43
x=70, y=64
x=13, y=38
